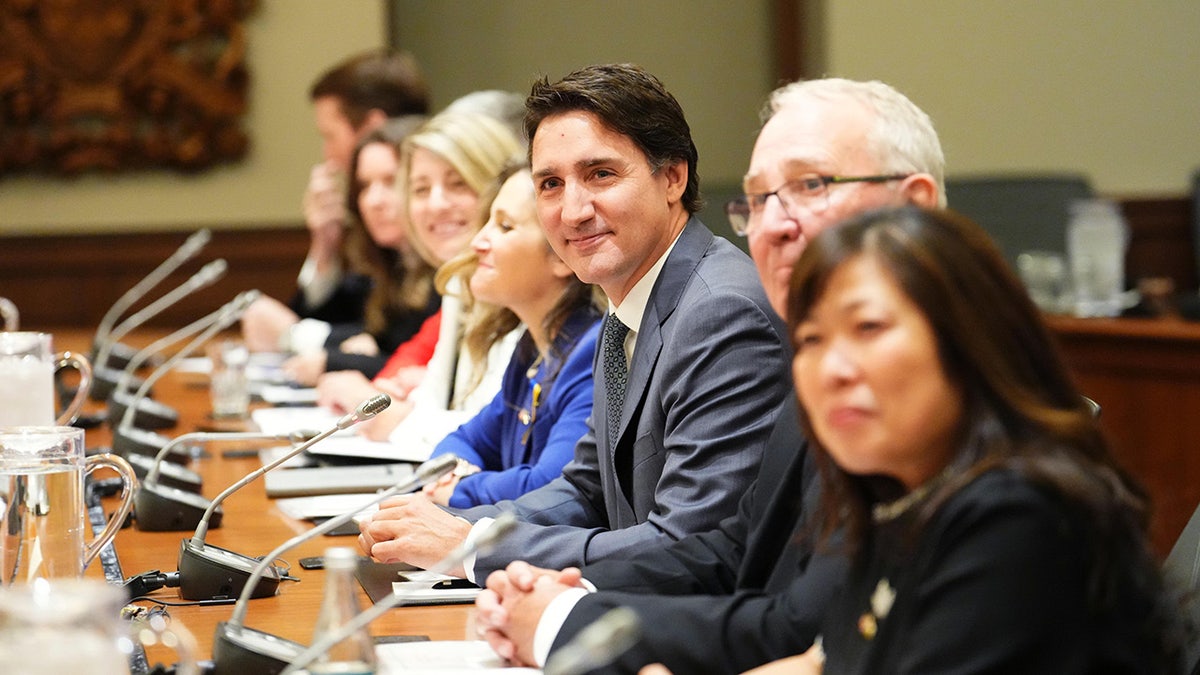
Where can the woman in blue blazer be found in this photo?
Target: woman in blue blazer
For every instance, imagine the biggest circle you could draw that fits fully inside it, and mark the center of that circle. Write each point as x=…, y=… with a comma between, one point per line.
x=524, y=437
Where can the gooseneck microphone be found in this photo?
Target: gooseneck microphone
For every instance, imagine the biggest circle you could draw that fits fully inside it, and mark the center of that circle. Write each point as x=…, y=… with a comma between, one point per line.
x=162, y=506
x=597, y=645
x=125, y=442
x=137, y=409
x=238, y=649
x=106, y=382
x=207, y=571
x=190, y=247
x=9, y=315
x=499, y=528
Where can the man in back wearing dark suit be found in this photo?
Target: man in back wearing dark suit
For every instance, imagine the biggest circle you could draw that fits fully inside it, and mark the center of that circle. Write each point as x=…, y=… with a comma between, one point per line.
x=688, y=376
x=751, y=590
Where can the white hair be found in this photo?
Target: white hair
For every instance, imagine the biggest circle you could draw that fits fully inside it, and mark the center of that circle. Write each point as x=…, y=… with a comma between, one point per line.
x=902, y=139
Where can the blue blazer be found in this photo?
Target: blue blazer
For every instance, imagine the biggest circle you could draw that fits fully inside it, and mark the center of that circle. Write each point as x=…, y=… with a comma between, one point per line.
x=515, y=459
x=706, y=379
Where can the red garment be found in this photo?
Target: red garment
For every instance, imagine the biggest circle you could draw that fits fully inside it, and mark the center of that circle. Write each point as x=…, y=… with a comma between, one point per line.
x=417, y=351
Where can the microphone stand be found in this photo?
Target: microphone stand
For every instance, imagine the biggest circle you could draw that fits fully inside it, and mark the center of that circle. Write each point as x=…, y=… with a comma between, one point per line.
x=500, y=527
x=239, y=649
x=129, y=441
x=129, y=406
x=208, y=571
x=190, y=247
x=598, y=644
x=9, y=315
x=206, y=276
x=159, y=507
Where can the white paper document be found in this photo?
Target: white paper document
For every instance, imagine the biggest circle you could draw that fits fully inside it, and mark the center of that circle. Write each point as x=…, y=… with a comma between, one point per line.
x=326, y=506
x=287, y=420
x=282, y=394
x=441, y=657
x=421, y=586
x=344, y=443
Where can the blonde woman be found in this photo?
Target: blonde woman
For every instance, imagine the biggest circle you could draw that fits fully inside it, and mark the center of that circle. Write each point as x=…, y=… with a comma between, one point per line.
x=448, y=163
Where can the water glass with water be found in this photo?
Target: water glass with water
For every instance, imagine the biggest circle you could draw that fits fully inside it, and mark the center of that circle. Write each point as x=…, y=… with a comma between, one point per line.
x=42, y=503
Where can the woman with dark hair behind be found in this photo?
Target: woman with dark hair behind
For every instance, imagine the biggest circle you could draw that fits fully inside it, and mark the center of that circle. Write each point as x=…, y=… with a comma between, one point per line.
x=991, y=529
x=402, y=295
x=376, y=247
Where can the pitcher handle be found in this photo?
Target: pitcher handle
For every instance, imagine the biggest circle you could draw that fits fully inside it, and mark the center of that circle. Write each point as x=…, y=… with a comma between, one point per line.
x=159, y=629
x=78, y=362
x=129, y=483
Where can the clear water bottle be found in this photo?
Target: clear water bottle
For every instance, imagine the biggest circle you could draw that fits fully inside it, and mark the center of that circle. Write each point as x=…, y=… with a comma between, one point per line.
x=1097, y=236
x=356, y=653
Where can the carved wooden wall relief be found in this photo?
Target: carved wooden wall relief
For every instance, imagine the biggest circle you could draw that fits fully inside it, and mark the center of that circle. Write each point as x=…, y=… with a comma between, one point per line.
x=121, y=84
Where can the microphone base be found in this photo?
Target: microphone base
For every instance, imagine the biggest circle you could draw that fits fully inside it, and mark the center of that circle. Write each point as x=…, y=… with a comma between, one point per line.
x=169, y=473
x=104, y=383
x=161, y=508
x=238, y=649
x=121, y=354
x=134, y=441
x=148, y=413
x=208, y=572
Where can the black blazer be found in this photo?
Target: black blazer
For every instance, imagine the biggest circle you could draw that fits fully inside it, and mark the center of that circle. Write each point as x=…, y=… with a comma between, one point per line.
x=746, y=593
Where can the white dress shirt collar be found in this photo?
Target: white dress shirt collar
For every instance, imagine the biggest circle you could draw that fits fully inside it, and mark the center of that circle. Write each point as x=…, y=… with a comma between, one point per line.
x=633, y=307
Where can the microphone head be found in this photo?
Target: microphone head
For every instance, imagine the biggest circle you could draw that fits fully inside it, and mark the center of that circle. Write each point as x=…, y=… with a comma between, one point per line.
x=197, y=241
x=435, y=467
x=372, y=406
x=365, y=411
x=597, y=645
x=210, y=272
x=244, y=299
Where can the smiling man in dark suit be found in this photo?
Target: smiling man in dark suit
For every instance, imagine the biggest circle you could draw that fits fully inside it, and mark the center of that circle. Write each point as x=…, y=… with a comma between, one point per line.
x=690, y=373
x=753, y=589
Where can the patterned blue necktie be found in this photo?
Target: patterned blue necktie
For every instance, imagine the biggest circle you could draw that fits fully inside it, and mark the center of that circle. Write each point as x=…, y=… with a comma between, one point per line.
x=616, y=372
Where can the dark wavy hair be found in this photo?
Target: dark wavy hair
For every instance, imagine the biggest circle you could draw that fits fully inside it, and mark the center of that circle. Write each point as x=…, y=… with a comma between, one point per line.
x=401, y=281
x=631, y=102
x=1021, y=409
x=383, y=79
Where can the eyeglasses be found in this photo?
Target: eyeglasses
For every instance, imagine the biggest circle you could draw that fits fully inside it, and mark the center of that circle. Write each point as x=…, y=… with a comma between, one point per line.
x=809, y=191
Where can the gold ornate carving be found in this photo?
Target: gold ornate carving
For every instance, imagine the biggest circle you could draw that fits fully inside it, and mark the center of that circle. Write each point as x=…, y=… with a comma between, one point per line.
x=121, y=84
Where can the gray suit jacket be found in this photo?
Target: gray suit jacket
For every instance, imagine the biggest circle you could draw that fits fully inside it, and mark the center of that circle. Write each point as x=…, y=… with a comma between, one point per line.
x=705, y=382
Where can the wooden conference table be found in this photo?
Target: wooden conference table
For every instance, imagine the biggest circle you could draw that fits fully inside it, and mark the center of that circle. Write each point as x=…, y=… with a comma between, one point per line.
x=1145, y=373
x=251, y=525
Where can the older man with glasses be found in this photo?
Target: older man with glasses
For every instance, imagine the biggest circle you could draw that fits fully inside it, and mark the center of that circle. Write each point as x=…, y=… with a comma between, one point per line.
x=752, y=590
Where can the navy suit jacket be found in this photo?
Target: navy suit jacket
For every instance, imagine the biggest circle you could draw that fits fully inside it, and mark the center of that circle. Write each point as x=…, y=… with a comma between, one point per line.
x=751, y=591
x=706, y=379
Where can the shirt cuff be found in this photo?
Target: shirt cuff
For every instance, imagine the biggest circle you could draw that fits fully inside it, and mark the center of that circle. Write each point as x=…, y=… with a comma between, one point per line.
x=316, y=287
x=551, y=623
x=469, y=562
x=307, y=336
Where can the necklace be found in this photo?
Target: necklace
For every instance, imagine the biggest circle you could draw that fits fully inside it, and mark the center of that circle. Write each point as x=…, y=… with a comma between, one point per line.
x=531, y=372
x=888, y=511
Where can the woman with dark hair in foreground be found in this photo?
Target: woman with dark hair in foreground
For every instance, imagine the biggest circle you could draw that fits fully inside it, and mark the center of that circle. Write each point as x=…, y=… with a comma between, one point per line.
x=990, y=528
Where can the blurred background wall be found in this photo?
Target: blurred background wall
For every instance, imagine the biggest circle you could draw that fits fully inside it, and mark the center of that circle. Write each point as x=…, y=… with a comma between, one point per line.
x=1111, y=89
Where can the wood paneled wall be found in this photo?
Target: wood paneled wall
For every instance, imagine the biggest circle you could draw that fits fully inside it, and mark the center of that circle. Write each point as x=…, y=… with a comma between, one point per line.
x=64, y=281
x=71, y=280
